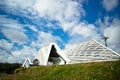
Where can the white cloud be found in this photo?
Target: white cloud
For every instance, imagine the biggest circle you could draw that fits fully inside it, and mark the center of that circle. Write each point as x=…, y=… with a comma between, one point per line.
x=46, y=38
x=5, y=44
x=84, y=29
x=103, y=24
x=15, y=35
x=32, y=27
x=110, y=4
x=56, y=9
x=110, y=27
x=83, y=32
x=4, y=55
x=67, y=13
x=63, y=11
x=80, y=33
x=5, y=48
x=15, y=5
x=12, y=30
x=21, y=55
x=113, y=32
x=6, y=22
x=67, y=26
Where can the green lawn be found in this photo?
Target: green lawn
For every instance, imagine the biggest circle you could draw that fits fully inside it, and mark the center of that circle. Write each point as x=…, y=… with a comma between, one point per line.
x=84, y=71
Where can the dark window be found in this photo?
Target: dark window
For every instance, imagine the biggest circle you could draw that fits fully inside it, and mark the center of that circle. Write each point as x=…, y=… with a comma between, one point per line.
x=35, y=62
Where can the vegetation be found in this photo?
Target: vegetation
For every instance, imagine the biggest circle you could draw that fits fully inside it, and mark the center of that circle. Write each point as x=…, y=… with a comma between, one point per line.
x=86, y=71
x=9, y=67
x=19, y=69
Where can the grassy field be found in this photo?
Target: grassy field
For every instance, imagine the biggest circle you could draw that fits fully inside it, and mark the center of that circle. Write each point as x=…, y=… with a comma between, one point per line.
x=85, y=71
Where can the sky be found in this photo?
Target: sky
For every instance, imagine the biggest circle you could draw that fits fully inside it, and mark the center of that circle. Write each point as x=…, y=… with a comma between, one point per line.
x=27, y=25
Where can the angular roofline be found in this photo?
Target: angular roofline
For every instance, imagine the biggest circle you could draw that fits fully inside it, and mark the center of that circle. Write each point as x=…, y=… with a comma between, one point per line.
x=27, y=59
x=49, y=47
x=106, y=47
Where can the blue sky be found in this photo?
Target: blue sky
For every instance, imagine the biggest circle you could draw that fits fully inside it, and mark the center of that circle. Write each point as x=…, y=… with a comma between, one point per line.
x=26, y=25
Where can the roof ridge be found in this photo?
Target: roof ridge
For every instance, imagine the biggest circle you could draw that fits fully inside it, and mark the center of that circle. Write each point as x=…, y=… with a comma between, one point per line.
x=106, y=47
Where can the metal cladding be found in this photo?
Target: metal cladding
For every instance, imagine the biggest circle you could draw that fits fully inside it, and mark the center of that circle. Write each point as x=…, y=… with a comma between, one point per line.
x=91, y=51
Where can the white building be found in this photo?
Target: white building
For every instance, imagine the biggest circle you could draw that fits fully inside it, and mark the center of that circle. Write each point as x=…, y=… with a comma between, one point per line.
x=91, y=51
x=50, y=54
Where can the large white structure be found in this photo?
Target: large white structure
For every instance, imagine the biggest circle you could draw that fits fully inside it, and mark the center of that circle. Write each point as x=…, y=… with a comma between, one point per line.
x=91, y=51
x=50, y=54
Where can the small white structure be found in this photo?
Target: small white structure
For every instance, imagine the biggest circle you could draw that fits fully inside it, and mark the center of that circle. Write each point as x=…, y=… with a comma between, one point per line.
x=27, y=63
x=50, y=54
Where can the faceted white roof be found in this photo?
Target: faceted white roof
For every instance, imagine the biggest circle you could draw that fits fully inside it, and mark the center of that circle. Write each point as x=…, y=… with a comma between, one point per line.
x=91, y=51
x=44, y=54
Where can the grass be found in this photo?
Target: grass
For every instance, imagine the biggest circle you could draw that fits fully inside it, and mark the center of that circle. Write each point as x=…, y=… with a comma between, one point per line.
x=4, y=76
x=86, y=71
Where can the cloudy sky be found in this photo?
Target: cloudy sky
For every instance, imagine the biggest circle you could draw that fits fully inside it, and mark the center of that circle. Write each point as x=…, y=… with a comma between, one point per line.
x=26, y=25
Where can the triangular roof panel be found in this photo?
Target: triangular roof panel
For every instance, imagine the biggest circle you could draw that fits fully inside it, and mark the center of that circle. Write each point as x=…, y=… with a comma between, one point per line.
x=91, y=51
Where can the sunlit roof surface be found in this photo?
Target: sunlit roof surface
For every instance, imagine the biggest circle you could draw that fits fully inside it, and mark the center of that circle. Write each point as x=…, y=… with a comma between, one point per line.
x=91, y=51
